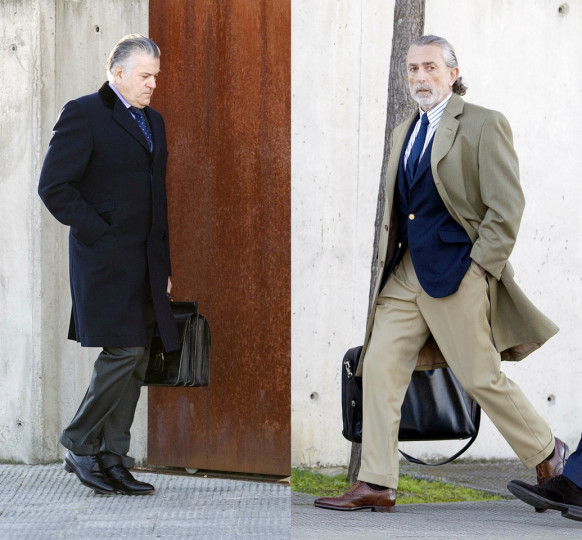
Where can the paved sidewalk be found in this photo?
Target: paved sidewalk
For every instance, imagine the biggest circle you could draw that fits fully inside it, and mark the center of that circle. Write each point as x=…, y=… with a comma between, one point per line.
x=507, y=519
x=43, y=502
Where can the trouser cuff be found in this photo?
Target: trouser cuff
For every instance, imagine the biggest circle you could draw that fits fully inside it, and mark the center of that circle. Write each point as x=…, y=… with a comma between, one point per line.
x=110, y=460
x=79, y=449
x=388, y=481
x=540, y=456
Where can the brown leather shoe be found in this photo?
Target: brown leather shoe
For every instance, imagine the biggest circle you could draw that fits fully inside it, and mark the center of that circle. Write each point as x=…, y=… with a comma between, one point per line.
x=549, y=468
x=360, y=497
x=553, y=467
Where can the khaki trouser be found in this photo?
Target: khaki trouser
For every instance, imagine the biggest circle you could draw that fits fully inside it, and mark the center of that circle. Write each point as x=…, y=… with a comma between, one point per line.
x=405, y=316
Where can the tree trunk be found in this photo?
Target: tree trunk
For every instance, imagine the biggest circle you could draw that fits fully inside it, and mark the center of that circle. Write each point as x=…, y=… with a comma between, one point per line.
x=408, y=25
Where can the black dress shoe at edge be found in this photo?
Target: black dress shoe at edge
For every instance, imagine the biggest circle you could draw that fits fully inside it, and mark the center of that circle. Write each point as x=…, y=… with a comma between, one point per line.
x=558, y=493
x=88, y=471
x=123, y=482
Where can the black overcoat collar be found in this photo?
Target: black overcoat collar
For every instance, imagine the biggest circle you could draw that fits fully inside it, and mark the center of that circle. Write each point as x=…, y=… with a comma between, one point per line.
x=124, y=118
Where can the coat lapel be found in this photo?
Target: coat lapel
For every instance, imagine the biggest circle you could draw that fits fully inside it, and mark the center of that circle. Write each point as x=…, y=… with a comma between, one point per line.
x=442, y=142
x=399, y=139
x=123, y=117
x=156, y=130
x=446, y=132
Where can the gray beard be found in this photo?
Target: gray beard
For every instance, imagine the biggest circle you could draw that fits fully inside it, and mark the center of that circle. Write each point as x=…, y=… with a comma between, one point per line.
x=427, y=102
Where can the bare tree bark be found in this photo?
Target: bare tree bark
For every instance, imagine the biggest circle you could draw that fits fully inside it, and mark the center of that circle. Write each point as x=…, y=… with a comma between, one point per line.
x=408, y=25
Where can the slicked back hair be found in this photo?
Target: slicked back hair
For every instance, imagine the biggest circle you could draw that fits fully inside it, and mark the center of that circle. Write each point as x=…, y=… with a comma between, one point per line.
x=125, y=48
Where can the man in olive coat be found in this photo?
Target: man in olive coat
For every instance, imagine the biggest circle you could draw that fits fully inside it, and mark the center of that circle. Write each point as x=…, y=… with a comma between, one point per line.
x=104, y=176
x=445, y=289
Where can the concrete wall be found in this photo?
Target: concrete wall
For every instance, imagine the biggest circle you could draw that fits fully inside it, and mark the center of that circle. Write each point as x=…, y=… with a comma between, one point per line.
x=52, y=51
x=339, y=75
x=517, y=56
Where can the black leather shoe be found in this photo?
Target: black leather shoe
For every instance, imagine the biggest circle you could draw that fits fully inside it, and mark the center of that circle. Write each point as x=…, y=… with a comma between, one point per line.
x=123, y=482
x=88, y=471
x=558, y=493
x=552, y=466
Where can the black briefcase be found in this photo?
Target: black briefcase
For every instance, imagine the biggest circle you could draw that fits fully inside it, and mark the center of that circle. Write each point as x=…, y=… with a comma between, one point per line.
x=435, y=408
x=190, y=364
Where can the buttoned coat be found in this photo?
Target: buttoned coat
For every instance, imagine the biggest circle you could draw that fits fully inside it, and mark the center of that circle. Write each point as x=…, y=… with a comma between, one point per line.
x=476, y=173
x=100, y=178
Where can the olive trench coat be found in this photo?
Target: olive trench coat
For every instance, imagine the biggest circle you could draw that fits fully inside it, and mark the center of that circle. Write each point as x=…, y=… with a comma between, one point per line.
x=476, y=173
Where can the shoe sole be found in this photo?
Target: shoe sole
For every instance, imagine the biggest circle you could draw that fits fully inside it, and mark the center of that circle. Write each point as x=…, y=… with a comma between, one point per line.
x=566, y=456
x=129, y=493
x=568, y=511
x=70, y=469
x=355, y=508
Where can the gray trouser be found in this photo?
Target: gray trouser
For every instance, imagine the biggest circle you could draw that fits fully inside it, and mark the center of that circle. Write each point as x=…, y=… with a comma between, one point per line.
x=102, y=423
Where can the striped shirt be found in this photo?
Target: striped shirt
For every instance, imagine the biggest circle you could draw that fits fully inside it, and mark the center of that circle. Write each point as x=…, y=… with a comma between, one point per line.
x=434, y=117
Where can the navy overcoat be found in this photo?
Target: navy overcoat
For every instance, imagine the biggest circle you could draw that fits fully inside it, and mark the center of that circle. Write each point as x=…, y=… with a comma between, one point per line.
x=100, y=178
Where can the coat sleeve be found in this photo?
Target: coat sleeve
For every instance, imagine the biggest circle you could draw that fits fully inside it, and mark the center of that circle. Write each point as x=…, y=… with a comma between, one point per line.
x=501, y=193
x=63, y=170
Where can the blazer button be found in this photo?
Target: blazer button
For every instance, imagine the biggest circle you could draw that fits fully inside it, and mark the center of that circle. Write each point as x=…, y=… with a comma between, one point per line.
x=385, y=227
x=399, y=244
x=382, y=264
x=410, y=217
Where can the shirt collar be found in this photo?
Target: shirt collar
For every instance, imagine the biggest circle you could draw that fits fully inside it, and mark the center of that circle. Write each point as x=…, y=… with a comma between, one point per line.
x=125, y=103
x=435, y=114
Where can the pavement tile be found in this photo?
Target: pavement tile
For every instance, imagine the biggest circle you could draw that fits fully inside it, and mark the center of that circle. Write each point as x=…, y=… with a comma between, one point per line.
x=44, y=502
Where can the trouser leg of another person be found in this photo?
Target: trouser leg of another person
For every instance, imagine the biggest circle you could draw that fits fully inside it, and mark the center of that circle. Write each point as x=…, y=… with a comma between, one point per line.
x=562, y=492
x=573, y=467
x=115, y=434
x=461, y=328
x=398, y=334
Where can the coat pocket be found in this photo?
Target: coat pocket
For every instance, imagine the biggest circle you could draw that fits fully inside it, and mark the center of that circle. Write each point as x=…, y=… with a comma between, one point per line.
x=104, y=209
x=103, y=206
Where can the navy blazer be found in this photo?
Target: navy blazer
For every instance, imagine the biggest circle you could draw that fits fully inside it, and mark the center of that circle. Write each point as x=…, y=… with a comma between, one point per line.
x=100, y=178
x=439, y=247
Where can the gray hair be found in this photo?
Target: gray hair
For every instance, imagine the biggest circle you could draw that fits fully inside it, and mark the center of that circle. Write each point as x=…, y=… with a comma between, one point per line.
x=449, y=57
x=125, y=48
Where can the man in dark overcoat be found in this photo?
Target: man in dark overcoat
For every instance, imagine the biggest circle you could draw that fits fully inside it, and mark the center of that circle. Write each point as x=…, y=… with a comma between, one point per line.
x=104, y=176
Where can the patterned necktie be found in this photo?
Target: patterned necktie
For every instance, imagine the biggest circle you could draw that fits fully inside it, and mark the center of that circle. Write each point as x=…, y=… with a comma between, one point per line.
x=416, y=151
x=143, y=125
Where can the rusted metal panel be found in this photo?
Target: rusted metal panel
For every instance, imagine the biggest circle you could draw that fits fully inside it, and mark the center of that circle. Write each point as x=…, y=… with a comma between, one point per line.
x=225, y=93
